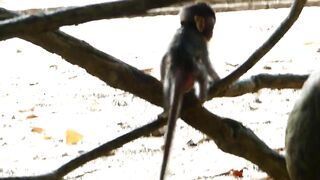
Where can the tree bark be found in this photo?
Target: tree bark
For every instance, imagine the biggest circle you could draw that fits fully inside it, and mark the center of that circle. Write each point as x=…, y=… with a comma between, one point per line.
x=42, y=22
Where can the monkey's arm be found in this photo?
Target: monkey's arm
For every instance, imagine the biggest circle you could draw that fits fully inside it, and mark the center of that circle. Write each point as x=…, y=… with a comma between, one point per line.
x=211, y=72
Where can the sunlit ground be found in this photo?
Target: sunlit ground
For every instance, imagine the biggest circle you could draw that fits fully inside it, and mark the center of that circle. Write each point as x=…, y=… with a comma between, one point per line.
x=60, y=96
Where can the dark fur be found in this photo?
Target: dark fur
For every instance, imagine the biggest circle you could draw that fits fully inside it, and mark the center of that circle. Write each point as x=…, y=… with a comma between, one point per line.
x=185, y=63
x=303, y=134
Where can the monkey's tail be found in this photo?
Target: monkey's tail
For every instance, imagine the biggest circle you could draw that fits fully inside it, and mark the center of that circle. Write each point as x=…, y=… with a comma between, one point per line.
x=175, y=95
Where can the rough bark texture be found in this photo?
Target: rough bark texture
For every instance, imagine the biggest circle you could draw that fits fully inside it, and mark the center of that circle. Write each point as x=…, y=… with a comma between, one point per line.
x=75, y=15
x=225, y=132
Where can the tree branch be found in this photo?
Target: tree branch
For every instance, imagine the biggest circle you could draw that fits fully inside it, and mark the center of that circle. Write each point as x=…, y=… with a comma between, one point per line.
x=122, y=76
x=232, y=137
x=42, y=22
x=260, y=81
x=295, y=11
x=109, y=69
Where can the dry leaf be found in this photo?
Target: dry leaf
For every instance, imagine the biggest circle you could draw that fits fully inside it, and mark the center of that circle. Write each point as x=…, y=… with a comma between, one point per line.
x=233, y=65
x=32, y=116
x=46, y=137
x=73, y=137
x=54, y=66
x=309, y=43
x=73, y=77
x=267, y=67
x=26, y=110
x=232, y=172
x=191, y=143
x=237, y=173
x=147, y=70
x=37, y=130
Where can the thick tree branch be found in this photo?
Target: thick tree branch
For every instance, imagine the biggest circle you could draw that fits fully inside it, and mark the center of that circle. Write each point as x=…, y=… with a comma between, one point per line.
x=115, y=73
x=75, y=15
x=109, y=69
x=49, y=176
x=218, y=5
x=260, y=81
x=232, y=137
x=261, y=51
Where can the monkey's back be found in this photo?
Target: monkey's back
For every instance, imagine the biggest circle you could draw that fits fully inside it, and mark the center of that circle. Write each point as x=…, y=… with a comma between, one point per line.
x=187, y=48
x=303, y=133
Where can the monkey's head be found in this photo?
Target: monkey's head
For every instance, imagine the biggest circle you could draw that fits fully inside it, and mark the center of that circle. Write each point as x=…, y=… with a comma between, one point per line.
x=200, y=16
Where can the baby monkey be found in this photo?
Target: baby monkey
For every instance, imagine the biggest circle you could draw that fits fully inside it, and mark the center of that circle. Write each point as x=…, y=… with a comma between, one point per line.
x=185, y=63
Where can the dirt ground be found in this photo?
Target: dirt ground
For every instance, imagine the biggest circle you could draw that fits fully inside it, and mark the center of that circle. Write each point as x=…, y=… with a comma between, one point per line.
x=42, y=97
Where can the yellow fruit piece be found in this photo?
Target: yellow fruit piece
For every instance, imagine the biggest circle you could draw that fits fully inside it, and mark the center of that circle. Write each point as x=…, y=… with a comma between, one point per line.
x=73, y=137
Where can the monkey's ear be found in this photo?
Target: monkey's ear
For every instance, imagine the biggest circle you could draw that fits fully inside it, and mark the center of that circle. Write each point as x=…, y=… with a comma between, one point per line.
x=200, y=23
